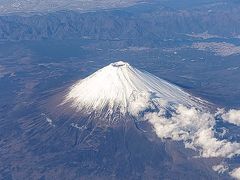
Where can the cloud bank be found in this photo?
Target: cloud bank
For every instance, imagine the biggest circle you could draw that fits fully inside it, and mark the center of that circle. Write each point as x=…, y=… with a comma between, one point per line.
x=193, y=126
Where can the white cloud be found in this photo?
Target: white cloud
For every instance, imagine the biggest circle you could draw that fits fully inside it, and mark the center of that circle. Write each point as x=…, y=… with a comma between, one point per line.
x=235, y=173
x=141, y=102
x=220, y=168
x=193, y=126
x=232, y=116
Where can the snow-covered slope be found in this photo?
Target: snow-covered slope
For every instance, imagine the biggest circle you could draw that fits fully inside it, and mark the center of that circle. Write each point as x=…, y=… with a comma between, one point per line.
x=117, y=85
x=25, y=6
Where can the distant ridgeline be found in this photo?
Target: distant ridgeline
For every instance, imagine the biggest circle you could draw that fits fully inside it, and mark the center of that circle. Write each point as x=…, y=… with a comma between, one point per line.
x=155, y=22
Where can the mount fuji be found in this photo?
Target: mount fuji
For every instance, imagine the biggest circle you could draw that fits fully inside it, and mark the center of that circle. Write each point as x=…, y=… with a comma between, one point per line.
x=130, y=113
x=121, y=88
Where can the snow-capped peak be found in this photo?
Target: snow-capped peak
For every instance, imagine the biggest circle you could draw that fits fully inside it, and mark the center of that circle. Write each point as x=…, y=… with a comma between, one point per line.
x=115, y=86
x=119, y=92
